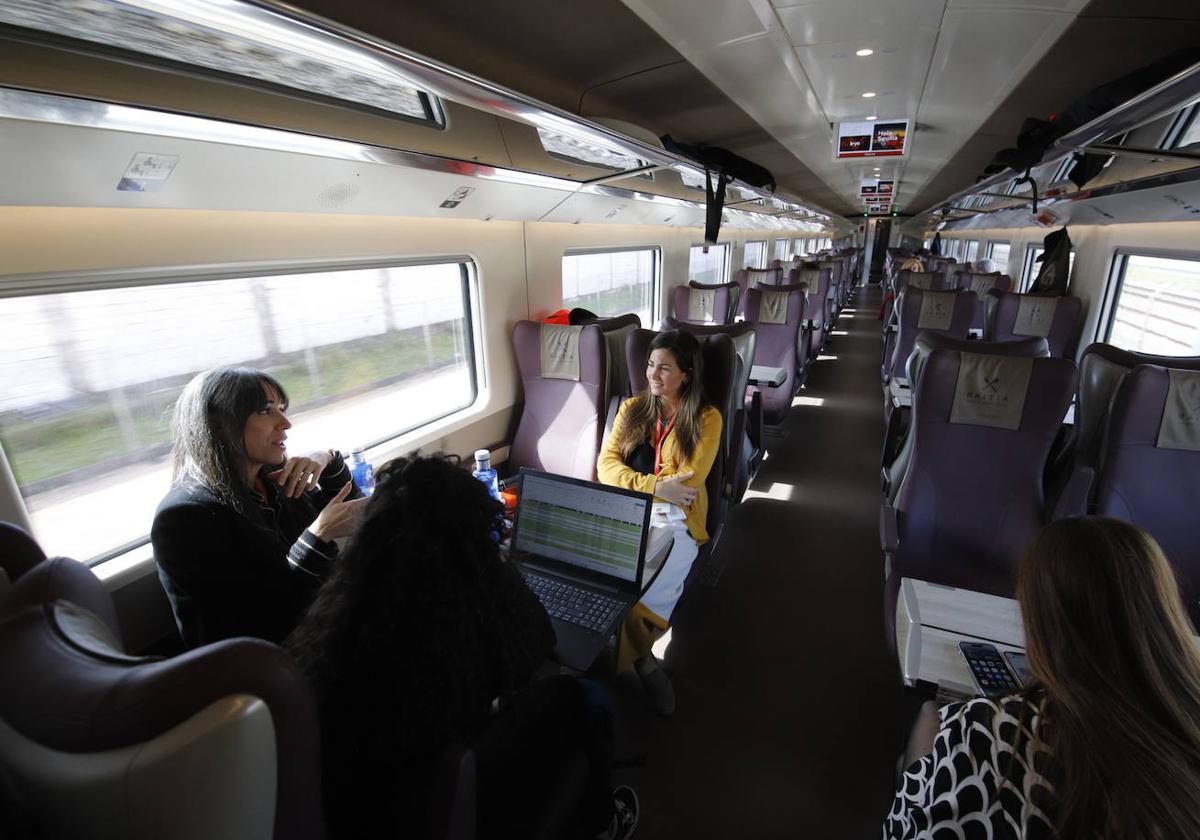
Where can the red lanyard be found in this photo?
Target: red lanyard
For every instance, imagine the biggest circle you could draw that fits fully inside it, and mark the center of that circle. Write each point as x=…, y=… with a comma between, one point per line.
x=660, y=434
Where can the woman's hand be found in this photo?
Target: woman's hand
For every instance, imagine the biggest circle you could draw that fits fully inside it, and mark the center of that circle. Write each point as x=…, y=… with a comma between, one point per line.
x=299, y=475
x=340, y=517
x=673, y=490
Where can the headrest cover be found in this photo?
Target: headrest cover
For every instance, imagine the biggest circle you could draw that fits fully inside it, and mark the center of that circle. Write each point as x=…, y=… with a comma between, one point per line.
x=763, y=278
x=560, y=351
x=981, y=284
x=773, y=308
x=1180, y=427
x=921, y=280
x=991, y=390
x=937, y=311
x=1035, y=315
x=701, y=303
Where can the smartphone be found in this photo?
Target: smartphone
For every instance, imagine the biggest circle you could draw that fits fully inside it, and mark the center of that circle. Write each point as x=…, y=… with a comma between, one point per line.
x=1019, y=663
x=992, y=676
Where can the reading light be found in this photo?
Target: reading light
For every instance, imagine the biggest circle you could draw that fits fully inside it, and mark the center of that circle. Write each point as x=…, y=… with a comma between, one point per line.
x=865, y=52
x=869, y=95
x=872, y=117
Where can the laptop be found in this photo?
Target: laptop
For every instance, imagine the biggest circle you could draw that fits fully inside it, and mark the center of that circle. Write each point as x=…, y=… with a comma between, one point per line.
x=581, y=547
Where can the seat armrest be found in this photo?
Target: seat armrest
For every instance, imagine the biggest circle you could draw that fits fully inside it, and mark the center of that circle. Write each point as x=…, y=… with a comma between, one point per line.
x=889, y=528
x=1073, y=500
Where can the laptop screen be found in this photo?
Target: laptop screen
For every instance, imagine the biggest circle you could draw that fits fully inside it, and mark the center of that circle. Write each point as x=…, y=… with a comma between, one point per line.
x=588, y=525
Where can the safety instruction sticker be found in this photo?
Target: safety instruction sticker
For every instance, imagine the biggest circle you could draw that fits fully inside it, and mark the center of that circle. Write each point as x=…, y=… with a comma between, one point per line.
x=147, y=172
x=456, y=198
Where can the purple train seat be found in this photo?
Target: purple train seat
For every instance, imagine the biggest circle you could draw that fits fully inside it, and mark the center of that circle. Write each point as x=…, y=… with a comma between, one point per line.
x=564, y=372
x=897, y=441
x=133, y=741
x=1056, y=319
x=972, y=497
x=778, y=315
x=704, y=304
x=949, y=313
x=1149, y=467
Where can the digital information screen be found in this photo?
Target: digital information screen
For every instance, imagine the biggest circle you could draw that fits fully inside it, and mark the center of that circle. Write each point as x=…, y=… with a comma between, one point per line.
x=879, y=138
x=583, y=526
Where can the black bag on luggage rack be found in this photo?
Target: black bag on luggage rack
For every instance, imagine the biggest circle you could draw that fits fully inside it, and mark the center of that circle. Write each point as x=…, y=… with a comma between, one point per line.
x=1055, y=273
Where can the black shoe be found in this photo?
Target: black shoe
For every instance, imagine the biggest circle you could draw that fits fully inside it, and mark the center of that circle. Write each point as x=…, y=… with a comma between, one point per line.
x=624, y=816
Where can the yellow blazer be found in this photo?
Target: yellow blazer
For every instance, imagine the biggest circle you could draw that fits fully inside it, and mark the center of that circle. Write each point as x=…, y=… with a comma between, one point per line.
x=612, y=470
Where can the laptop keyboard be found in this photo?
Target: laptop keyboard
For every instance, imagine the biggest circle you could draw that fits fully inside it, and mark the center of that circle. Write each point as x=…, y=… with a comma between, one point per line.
x=583, y=607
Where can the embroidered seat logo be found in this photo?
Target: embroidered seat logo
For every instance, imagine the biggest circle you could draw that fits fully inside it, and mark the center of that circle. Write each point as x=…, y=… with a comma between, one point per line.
x=990, y=393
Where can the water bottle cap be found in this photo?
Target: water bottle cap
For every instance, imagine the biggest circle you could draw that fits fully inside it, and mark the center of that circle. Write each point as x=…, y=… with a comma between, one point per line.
x=483, y=456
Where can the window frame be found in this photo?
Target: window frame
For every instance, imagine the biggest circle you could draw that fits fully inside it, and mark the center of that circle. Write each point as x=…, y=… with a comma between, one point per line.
x=766, y=252
x=1032, y=251
x=68, y=282
x=726, y=264
x=1115, y=283
x=656, y=290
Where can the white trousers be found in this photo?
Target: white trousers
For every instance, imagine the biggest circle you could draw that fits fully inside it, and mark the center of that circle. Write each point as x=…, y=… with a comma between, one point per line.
x=664, y=593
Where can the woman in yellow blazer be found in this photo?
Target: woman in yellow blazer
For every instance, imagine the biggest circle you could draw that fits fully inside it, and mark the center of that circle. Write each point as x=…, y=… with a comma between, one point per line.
x=664, y=442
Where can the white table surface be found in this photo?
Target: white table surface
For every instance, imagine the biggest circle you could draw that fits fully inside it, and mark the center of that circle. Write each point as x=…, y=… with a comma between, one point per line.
x=765, y=375
x=932, y=619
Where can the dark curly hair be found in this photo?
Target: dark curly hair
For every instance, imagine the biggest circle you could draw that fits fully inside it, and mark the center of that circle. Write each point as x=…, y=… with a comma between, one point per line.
x=420, y=625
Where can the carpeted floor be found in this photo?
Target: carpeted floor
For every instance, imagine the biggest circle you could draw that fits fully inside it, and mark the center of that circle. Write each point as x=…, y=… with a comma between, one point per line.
x=790, y=710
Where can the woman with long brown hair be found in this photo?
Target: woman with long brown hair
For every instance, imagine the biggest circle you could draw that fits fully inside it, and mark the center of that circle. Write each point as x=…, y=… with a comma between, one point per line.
x=1106, y=744
x=664, y=442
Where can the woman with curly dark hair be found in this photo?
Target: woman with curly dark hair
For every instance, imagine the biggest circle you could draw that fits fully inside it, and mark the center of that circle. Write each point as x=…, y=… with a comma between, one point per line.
x=424, y=637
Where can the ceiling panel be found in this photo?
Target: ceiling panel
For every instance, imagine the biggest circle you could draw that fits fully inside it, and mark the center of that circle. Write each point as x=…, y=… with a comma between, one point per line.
x=839, y=77
x=837, y=21
x=704, y=24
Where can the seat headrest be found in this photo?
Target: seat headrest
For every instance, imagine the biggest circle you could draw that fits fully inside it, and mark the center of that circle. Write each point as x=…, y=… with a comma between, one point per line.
x=62, y=579
x=1035, y=315
x=991, y=390
x=937, y=310
x=1033, y=347
x=701, y=304
x=1180, y=426
x=560, y=351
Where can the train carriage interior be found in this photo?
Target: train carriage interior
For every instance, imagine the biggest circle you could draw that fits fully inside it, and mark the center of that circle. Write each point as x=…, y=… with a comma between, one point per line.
x=942, y=257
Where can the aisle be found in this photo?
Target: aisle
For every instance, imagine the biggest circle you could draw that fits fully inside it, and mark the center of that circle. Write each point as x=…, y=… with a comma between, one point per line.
x=789, y=707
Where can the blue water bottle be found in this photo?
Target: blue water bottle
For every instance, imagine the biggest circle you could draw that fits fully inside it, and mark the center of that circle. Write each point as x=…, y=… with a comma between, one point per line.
x=362, y=472
x=485, y=473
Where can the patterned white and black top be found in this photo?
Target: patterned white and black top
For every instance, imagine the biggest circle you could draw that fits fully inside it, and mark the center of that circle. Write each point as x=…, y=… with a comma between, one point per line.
x=986, y=777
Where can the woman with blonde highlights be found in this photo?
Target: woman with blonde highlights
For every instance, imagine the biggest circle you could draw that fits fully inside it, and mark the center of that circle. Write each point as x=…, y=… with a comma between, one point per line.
x=1106, y=743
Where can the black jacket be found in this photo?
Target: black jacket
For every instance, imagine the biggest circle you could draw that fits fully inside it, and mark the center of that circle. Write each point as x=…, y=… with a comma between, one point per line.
x=251, y=573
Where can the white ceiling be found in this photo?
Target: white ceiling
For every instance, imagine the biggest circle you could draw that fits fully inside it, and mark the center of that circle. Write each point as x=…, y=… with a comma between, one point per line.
x=791, y=65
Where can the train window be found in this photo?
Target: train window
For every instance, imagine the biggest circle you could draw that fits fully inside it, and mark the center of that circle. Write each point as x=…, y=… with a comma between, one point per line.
x=783, y=249
x=997, y=252
x=1029, y=271
x=365, y=354
x=613, y=282
x=1155, y=305
x=755, y=255
x=970, y=250
x=709, y=263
